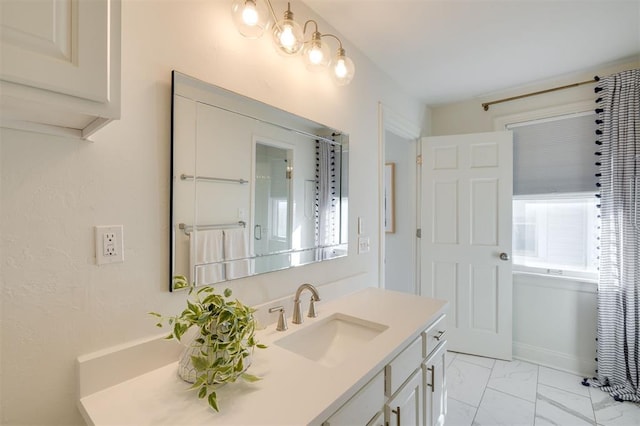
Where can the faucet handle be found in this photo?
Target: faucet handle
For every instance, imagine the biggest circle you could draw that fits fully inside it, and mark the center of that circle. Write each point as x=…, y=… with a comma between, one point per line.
x=296, y=318
x=282, y=319
x=312, y=307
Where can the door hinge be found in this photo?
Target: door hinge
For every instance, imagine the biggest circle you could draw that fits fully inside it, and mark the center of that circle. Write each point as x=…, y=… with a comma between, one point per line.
x=419, y=159
x=419, y=233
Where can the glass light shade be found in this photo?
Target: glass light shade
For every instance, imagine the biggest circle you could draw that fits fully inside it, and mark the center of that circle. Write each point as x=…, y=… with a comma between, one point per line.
x=316, y=55
x=250, y=17
x=342, y=69
x=288, y=36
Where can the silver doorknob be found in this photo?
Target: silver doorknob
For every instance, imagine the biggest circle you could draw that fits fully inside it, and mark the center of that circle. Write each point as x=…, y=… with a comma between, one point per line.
x=504, y=256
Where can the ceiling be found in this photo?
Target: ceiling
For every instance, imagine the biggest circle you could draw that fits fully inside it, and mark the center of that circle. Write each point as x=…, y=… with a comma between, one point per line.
x=447, y=51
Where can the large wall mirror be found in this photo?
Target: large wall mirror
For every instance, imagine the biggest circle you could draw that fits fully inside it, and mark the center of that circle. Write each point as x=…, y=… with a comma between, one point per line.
x=254, y=189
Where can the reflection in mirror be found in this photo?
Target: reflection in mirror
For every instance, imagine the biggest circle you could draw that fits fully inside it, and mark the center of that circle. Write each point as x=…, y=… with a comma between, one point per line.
x=254, y=189
x=273, y=205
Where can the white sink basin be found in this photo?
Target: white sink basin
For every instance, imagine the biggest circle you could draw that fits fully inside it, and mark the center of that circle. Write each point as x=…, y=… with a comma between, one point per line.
x=333, y=339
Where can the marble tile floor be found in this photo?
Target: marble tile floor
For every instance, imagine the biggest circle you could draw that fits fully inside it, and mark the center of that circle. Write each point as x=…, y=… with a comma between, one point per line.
x=488, y=392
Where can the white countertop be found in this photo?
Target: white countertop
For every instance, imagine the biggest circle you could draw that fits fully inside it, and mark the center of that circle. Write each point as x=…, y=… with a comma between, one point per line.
x=293, y=390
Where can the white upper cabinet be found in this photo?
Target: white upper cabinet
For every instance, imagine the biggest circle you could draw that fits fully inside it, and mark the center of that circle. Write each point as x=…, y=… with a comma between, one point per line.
x=60, y=65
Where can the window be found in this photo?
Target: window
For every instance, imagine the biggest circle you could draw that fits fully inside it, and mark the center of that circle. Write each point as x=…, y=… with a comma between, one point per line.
x=279, y=217
x=555, y=229
x=556, y=235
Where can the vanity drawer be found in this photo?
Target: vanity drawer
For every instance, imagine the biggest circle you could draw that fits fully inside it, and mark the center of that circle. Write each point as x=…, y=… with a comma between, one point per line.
x=362, y=407
x=399, y=370
x=433, y=335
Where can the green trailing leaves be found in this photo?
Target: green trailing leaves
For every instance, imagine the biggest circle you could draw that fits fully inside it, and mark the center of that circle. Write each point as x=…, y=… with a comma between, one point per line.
x=180, y=282
x=250, y=378
x=202, y=392
x=199, y=363
x=226, y=337
x=213, y=401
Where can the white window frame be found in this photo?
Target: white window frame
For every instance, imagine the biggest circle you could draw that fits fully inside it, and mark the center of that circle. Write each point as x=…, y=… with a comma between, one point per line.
x=501, y=123
x=555, y=272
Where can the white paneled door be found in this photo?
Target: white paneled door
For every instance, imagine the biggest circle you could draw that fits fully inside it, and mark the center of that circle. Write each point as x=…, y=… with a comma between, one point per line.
x=466, y=237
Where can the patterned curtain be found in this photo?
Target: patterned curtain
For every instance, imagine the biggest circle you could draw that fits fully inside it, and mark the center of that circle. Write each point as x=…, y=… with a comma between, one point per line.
x=619, y=284
x=325, y=196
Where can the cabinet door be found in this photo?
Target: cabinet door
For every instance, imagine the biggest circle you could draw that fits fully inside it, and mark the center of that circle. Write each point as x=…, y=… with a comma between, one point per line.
x=59, y=65
x=377, y=420
x=57, y=45
x=363, y=407
x=402, y=366
x=406, y=407
x=435, y=387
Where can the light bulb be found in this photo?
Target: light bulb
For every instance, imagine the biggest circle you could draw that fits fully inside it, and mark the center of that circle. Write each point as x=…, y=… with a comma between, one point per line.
x=343, y=68
x=287, y=38
x=287, y=35
x=250, y=14
x=250, y=17
x=316, y=53
x=340, y=68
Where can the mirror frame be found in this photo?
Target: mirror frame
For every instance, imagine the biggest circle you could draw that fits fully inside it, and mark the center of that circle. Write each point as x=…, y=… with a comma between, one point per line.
x=223, y=99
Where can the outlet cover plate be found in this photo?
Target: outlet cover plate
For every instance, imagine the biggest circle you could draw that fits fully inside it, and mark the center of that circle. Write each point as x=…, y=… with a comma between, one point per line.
x=109, y=244
x=363, y=245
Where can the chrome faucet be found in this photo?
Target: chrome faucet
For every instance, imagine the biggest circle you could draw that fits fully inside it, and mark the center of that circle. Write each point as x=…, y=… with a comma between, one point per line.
x=315, y=297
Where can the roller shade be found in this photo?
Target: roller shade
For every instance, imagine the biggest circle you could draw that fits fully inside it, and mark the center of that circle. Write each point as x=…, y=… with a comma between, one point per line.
x=555, y=155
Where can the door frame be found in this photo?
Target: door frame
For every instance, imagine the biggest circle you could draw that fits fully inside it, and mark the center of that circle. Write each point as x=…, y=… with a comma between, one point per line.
x=291, y=152
x=389, y=120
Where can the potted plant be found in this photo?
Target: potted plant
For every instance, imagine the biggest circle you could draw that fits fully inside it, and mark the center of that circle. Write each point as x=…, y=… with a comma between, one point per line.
x=221, y=351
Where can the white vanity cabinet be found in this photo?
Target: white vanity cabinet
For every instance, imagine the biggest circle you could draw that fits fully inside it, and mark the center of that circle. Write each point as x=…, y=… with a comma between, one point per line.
x=406, y=406
x=433, y=371
x=60, y=65
x=364, y=408
x=403, y=386
x=410, y=391
x=435, y=387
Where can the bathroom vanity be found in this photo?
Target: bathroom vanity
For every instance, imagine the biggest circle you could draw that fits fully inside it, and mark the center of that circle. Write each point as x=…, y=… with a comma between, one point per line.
x=372, y=357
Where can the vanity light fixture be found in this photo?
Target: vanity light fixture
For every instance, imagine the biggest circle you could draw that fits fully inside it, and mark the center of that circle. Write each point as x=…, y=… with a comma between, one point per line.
x=252, y=19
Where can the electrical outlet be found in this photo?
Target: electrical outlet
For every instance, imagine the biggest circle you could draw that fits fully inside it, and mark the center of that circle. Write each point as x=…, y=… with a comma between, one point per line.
x=109, y=244
x=363, y=245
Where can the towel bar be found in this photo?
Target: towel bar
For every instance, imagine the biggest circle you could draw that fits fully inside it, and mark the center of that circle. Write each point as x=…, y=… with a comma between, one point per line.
x=212, y=179
x=187, y=229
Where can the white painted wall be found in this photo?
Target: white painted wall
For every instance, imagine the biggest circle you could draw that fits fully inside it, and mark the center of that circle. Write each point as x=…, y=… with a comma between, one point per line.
x=400, y=268
x=56, y=303
x=554, y=322
x=554, y=319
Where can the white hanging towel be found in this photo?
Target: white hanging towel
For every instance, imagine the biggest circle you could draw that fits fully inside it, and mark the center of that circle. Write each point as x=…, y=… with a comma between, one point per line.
x=207, y=249
x=236, y=246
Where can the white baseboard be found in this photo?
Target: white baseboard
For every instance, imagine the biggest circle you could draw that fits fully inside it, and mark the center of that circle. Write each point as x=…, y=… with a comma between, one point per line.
x=584, y=366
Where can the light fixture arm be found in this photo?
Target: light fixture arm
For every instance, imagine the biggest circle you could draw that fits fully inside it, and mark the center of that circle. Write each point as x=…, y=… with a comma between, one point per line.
x=304, y=30
x=273, y=12
x=333, y=36
x=316, y=36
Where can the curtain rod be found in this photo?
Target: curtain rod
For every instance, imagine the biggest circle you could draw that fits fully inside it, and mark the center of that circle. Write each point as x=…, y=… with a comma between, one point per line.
x=486, y=105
